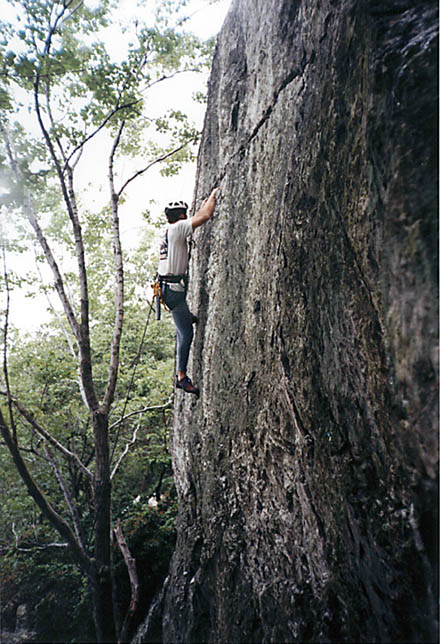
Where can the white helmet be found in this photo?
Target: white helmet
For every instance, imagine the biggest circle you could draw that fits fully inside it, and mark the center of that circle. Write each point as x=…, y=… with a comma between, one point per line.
x=176, y=205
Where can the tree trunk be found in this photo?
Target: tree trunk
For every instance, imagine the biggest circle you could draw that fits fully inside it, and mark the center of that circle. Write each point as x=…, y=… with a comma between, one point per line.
x=102, y=607
x=102, y=582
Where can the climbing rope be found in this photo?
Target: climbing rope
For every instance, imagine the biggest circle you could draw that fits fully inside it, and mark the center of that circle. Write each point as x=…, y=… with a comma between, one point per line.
x=135, y=365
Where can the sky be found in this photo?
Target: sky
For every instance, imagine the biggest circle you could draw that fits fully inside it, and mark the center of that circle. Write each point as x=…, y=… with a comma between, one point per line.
x=28, y=313
x=206, y=22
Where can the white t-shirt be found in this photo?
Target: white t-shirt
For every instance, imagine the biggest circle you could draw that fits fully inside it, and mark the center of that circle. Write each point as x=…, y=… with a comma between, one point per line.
x=174, y=250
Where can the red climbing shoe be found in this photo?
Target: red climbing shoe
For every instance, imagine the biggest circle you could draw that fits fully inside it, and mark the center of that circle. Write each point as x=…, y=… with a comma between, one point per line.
x=187, y=386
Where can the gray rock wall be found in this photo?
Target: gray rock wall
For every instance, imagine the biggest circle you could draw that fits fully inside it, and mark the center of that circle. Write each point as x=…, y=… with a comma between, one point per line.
x=307, y=470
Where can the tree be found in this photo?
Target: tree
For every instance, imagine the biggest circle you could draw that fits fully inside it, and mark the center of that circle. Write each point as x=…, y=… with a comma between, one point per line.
x=44, y=376
x=79, y=94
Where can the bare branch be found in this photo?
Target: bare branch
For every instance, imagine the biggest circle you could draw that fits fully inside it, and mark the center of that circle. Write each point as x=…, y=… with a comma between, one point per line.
x=125, y=452
x=77, y=160
x=53, y=441
x=68, y=339
x=119, y=275
x=165, y=78
x=68, y=4
x=110, y=115
x=85, y=366
x=16, y=535
x=158, y=160
x=166, y=405
x=100, y=127
x=30, y=450
x=59, y=284
x=119, y=278
x=52, y=121
x=55, y=313
x=5, y=340
x=134, y=581
x=49, y=512
x=118, y=269
x=67, y=496
x=133, y=374
x=70, y=202
x=134, y=436
x=36, y=547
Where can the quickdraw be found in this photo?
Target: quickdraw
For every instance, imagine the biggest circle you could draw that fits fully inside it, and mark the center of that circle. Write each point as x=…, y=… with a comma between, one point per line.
x=157, y=297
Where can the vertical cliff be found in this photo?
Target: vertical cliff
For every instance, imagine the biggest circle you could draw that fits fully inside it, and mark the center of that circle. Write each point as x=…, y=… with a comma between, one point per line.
x=307, y=469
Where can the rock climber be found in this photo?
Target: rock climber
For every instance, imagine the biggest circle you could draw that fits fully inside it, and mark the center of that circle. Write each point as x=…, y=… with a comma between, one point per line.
x=173, y=277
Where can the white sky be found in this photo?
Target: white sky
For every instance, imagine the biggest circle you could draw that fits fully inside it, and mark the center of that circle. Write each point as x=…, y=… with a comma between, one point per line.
x=29, y=313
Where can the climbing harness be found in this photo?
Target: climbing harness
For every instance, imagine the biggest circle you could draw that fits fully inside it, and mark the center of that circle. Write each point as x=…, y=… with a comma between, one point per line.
x=159, y=286
x=160, y=281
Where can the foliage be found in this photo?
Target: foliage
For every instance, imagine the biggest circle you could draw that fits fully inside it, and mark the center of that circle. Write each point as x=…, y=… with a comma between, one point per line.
x=54, y=590
x=151, y=537
x=47, y=582
x=42, y=371
x=76, y=392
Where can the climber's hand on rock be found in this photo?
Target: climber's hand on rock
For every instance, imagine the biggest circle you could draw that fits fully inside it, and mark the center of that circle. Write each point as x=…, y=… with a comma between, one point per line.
x=205, y=211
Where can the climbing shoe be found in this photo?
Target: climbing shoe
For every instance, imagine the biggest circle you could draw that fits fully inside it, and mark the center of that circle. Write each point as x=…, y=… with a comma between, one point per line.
x=187, y=386
x=195, y=319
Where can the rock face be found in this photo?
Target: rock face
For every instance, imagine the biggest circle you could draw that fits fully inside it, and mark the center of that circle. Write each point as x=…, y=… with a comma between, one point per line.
x=307, y=470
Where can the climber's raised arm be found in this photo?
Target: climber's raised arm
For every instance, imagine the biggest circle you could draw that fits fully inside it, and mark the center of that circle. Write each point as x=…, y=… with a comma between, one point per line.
x=205, y=211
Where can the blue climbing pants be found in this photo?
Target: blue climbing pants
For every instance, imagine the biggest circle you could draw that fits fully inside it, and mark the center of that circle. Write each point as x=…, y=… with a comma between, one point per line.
x=183, y=319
